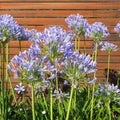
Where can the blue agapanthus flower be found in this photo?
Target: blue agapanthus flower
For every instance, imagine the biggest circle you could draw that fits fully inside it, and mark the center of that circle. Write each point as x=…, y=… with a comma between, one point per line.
x=51, y=54
x=19, y=88
x=106, y=46
x=107, y=89
x=98, y=31
x=78, y=24
x=9, y=29
x=45, y=55
x=32, y=35
x=58, y=40
x=78, y=65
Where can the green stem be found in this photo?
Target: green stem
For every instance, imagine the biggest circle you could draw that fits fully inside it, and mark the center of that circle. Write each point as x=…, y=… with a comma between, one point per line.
x=12, y=91
x=108, y=70
x=109, y=111
x=79, y=44
x=51, y=104
x=3, y=81
x=45, y=103
x=92, y=102
x=1, y=76
x=75, y=42
x=84, y=45
x=96, y=52
x=56, y=81
x=19, y=45
x=33, y=103
x=69, y=105
x=88, y=91
x=7, y=77
x=93, y=87
x=74, y=102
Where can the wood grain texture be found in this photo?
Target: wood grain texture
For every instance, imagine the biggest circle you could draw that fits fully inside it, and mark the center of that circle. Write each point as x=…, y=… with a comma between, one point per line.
x=40, y=14
x=60, y=5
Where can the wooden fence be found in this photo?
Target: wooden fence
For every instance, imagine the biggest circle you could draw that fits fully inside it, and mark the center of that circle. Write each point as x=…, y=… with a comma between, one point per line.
x=39, y=14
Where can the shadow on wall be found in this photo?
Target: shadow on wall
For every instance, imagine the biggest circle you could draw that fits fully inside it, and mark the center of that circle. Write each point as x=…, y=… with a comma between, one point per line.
x=114, y=77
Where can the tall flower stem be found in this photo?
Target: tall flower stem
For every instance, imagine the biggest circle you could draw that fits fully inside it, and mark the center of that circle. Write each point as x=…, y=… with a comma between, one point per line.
x=96, y=53
x=51, y=104
x=69, y=105
x=78, y=44
x=3, y=82
x=33, y=102
x=84, y=45
x=7, y=77
x=13, y=93
x=108, y=70
x=109, y=111
x=44, y=99
x=93, y=88
x=57, y=88
x=20, y=45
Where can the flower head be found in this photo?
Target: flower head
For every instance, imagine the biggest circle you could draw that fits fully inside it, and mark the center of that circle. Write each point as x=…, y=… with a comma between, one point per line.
x=77, y=23
x=98, y=31
x=9, y=29
x=78, y=65
x=19, y=88
x=60, y=95
x=108, y=47
x=108, y=89
x=32, y=35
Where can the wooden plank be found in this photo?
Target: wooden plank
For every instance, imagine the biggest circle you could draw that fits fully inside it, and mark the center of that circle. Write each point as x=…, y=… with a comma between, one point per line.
x=60, y=1
x=61, y=13
x=60, y=5
x=61, y=21
x=16, y=44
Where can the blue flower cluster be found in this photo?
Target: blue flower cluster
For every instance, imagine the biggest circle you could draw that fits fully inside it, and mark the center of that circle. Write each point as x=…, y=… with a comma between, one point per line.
x=98, y=31
x=32, y=35
x=108, y=47
x=77, y=66
x=50, y=54
x=108, y=90
x=78, y=24
x=9, y=29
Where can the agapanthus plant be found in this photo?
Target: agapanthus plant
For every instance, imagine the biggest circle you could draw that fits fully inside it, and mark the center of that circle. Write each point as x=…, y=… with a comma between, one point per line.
x=52, y=63
x=9, y=29
x=108, y=96
x=98, y=31
x=109, y=47
x=46, y=55
x=53, y=54
x=78, y=24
